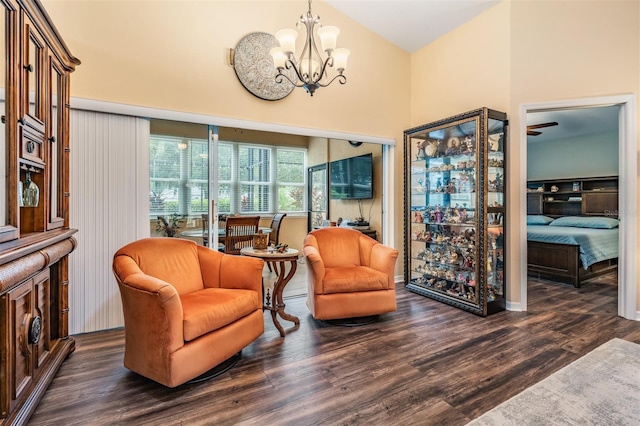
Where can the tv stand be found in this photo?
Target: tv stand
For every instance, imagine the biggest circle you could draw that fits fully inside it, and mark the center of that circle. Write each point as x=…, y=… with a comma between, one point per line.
x=369, y=232
x=361, y=223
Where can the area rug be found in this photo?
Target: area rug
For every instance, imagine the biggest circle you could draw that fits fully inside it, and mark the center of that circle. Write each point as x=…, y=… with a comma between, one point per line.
x=600, y=388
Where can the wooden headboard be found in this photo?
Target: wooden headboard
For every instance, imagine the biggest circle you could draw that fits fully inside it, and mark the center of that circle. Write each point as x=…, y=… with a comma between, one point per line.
x=592, y=196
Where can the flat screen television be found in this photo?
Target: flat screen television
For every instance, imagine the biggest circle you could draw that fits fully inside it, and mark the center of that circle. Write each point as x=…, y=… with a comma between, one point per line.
x=351, y=178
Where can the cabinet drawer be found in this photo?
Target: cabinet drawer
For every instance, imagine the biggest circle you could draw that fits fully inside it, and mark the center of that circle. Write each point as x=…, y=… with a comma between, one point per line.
x=32, y=147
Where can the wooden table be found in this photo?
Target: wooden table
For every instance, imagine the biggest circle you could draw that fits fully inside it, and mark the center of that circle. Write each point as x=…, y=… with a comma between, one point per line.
x=278, y=262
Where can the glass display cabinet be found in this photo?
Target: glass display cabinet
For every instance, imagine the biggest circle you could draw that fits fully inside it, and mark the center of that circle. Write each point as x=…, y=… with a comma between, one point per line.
x=455, y=210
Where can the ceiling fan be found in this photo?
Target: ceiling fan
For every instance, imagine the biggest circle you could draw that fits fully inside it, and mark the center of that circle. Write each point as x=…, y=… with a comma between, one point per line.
x=532, y=132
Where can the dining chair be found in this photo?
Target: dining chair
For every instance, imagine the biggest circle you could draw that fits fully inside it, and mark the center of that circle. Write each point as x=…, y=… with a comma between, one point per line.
x=239, y=233
x=274, y=235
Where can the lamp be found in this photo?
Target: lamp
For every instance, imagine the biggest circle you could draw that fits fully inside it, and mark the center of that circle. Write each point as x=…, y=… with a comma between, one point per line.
x=310, y=68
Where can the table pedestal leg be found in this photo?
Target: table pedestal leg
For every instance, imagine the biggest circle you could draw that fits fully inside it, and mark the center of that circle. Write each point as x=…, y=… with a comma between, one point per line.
x=278, y=305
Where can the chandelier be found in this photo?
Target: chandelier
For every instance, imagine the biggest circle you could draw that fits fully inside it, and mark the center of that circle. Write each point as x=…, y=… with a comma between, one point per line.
x=310, y=68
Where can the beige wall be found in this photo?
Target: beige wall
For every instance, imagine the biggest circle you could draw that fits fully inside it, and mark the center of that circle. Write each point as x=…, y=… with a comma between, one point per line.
x=523, y=52
x=173, y=55
x=582, y=49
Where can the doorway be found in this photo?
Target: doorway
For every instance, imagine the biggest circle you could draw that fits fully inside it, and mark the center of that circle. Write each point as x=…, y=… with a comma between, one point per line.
x=627, y=147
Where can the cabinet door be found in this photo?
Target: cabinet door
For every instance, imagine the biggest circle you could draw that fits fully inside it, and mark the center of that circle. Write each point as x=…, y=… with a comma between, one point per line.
x=55, y=171
x=444, y=212
x=495, y=215
x=21, y=303
x=8, y=118
x=33, y=68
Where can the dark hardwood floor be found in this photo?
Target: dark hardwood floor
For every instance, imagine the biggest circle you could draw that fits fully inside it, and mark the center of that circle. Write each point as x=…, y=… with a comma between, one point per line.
x=425, y=364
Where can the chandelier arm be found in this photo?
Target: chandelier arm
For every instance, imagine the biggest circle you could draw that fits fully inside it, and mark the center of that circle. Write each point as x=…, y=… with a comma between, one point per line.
x=341, y=78
x=279, y=79
x=289, y=64
x=327, y=62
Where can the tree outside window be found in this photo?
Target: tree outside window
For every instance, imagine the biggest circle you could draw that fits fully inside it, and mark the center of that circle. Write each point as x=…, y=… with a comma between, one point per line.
x=252, y=178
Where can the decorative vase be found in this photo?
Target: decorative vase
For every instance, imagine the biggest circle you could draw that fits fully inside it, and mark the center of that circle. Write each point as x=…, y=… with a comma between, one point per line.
x=260, y=241
x=30, y=192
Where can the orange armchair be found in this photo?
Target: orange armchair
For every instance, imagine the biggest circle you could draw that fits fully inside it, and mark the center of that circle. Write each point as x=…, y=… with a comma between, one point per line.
x=349, y=274
x=187, y=308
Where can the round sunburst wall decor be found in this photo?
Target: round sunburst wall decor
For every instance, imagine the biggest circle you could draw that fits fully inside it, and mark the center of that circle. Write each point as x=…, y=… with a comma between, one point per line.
x=255, y=69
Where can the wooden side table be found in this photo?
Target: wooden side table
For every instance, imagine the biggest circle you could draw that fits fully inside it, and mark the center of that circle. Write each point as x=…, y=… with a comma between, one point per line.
x=278, y=262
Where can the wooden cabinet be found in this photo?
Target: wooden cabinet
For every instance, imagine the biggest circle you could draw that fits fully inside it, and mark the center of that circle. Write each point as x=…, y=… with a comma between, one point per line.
x=592, y=196
x=371, y=233
x=35, y=239
x=455, y=210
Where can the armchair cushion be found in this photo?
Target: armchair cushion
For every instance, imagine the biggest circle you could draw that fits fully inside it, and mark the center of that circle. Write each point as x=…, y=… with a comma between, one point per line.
x=212, y=308
x=352, y=279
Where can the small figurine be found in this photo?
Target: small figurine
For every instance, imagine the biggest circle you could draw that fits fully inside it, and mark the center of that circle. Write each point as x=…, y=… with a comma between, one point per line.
x=439, y=215
x=417, y=217
x=432, y=149
x=421, y=155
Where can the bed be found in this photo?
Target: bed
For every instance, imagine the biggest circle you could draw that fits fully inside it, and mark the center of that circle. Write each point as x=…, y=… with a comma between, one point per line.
x=571, y=248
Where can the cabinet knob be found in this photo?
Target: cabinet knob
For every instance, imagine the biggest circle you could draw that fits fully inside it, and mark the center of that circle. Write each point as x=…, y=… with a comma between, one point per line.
x=21, y=121
x=52, y=139
x=35, y=330
x=3, y=119
x=29, y=67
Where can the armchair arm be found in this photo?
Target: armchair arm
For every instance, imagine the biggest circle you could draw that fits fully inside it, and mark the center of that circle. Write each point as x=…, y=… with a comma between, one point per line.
x=221, y=270
x=314, y=262
x=383, y=259
x=241, y=272
x=144, y=296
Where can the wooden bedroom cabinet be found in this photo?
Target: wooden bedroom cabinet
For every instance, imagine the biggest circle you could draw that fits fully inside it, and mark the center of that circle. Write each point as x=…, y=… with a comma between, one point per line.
x=35, y=238
x=455, y=210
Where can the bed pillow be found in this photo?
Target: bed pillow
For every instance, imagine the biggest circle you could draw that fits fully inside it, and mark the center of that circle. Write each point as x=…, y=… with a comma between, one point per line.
x=538, y=219
x=596, y=222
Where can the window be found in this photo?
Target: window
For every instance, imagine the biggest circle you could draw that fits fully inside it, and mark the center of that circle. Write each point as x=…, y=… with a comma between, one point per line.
x=178, y=172
x=252, y=178
x=290, y=179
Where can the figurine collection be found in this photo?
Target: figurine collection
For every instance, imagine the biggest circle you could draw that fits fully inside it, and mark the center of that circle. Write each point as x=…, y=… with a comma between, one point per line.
x=439, y=215
x=447, y=262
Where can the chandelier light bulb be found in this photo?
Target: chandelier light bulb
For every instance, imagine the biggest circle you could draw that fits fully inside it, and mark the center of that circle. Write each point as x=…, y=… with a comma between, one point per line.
x=328, y=38
x=287, y=39
x=279, y=57
x=309, y=67
x=340, y=57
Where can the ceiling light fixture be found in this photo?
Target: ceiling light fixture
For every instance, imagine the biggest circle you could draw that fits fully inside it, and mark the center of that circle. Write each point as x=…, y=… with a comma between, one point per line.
x=310, y=68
